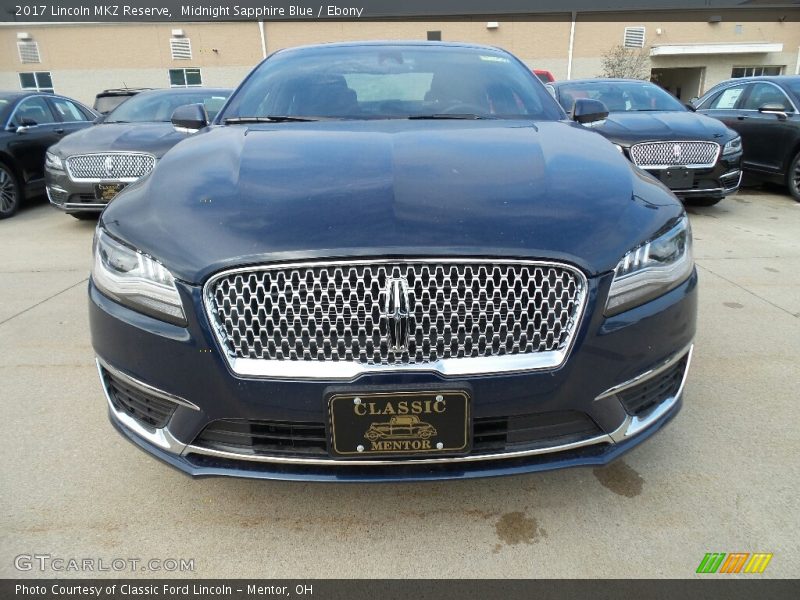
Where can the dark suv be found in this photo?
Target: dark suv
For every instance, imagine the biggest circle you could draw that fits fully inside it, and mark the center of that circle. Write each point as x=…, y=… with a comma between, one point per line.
x=764, y=111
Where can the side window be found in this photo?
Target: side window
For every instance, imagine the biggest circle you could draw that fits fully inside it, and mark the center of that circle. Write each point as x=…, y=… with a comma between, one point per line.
x=765, y=93
x=67, y=111
x=727, y=99
x=33, y=109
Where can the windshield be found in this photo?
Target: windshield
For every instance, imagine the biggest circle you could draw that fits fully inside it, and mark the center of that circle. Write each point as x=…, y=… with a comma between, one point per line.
x=159, y=107
x=393, y=81
x=620, y=96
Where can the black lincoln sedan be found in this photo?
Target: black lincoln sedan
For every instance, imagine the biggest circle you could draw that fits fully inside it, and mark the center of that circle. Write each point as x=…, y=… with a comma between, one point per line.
x=764, y=111
x=698, y=158
x=30, y=123
x=85, y=171
x=392, y=261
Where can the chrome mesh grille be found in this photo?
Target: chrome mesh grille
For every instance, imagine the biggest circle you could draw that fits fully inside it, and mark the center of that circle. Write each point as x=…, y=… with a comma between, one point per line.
x=668, y=154
x=455, y=310
x=110, y=166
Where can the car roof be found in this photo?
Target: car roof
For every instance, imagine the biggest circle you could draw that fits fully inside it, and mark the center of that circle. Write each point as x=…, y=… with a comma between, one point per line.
x=13, y=95
x=772, y=78
x=182, y=91
x=391, y=43
x=597, y=80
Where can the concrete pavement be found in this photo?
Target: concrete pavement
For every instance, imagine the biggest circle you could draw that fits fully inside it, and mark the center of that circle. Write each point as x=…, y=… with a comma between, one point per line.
x=722, y=477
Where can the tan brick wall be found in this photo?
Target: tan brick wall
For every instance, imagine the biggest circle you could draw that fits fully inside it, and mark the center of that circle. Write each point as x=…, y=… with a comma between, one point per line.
x=85, y=58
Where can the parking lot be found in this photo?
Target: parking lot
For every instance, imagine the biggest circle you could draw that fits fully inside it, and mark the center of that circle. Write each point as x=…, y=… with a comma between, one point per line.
x=722, y=477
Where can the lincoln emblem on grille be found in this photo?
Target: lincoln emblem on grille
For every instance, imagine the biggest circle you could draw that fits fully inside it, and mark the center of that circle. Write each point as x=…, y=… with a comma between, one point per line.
x=395, y=311
x=108, y=163
x=676, y=151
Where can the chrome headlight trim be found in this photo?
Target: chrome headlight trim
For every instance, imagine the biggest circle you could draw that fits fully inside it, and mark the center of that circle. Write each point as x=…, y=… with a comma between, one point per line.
x=652, y=268
x=53, y=161
x=135, y=280
x=732, y=147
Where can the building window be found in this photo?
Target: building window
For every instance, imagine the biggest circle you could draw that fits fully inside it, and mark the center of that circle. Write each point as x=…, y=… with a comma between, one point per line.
x=40, y=81
x=634, y=37
x=185, y=77
x=28, y=52
x=434, y=36
x=755, y=71
x=181, y=48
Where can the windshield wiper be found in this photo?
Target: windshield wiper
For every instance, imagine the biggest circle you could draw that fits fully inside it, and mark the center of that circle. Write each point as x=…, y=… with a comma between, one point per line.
x=269, y=119
x=461, y=116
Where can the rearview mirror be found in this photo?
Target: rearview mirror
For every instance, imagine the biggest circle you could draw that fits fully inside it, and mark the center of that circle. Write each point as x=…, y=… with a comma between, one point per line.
x=773, y=108
x=587, y=110
x=189, y=118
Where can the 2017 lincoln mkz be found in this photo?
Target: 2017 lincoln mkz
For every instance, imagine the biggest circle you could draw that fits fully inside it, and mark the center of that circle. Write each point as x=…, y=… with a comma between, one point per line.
x=392, y=261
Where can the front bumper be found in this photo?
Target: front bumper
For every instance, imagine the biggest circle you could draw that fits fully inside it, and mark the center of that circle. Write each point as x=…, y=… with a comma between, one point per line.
x=72, y=196
x=610, y=355
x=723, y=179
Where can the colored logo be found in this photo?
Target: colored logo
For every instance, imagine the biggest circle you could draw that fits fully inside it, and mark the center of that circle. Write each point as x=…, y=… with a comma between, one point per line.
x=735, y=562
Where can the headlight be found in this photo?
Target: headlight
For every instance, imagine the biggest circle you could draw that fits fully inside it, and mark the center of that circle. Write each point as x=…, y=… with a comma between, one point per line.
x=53, y=161
x=135, y=280
x=732, y=147
x=652, y=269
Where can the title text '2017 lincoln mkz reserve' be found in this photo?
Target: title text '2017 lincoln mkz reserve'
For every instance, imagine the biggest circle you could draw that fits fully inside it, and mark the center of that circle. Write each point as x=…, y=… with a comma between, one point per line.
x=392, y=261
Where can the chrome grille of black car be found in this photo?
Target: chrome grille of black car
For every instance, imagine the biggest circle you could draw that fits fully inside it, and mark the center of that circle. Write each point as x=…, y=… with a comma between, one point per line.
x=113, y=165
x=668, y=154
x=336, y=312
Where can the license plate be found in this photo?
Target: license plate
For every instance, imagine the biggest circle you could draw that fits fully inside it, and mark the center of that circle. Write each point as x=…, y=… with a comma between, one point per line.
x=677, y=178
x=399, y=424
x=107, y=191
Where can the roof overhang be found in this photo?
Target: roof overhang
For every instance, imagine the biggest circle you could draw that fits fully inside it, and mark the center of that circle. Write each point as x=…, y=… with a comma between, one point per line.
x=732, y=48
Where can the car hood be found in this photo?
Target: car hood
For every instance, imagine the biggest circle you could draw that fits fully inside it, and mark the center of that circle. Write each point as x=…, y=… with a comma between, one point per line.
x=628, y=128
x=153, y=138
x=232, y=196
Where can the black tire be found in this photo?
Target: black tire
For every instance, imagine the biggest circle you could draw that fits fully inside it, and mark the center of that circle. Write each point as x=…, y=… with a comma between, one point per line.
x=702, y=201
x=10, y=192
x=85, y=216
x=793, y=177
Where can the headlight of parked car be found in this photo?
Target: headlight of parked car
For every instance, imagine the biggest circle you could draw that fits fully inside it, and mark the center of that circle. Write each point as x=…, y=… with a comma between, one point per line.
x=652, y=269
x=732, y=147
x=135, y=280
x=53, y=161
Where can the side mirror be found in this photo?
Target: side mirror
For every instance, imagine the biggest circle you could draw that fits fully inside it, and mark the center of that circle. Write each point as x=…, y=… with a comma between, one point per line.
x=189, y=118
x=587, y=110
x=25, y=123
x=100, y=119
x=691, y=106
x=773, y=108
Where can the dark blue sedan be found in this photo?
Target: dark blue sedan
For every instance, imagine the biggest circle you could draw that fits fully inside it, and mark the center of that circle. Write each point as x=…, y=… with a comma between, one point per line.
x=392, y=261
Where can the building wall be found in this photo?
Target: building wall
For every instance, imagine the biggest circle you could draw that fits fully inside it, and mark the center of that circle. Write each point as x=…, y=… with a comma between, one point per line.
x=86, y=58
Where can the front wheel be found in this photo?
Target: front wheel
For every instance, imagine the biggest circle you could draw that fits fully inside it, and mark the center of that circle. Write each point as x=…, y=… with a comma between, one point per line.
x=10, y=193
x=793, y=177
x=705, y=201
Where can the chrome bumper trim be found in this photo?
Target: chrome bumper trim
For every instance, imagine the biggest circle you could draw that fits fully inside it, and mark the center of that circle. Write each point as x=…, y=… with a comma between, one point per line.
x=633, y=425
x=600, y=439
x=158, y=437
x=629, y=427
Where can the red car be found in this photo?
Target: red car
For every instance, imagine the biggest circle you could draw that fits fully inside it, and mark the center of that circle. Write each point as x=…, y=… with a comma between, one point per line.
x=544, y=75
